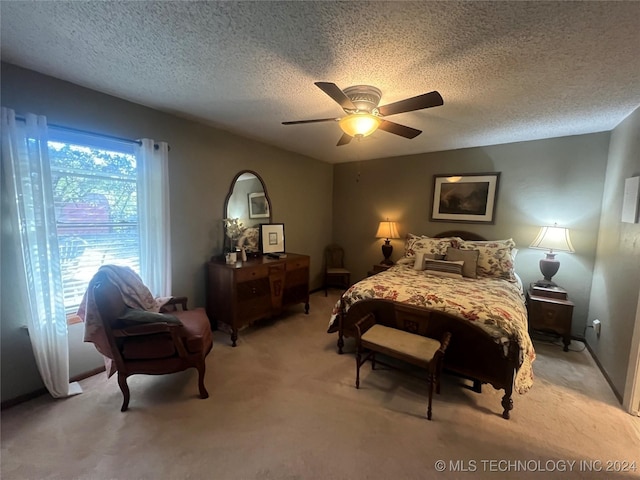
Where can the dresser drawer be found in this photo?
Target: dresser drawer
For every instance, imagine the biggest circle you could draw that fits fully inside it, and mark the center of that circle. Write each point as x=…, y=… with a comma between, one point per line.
x=245, y=274
x=551, y=316
x=299, y=276
x=298, y=263
x=253, y=289
x=254, y=309
x=276, y=269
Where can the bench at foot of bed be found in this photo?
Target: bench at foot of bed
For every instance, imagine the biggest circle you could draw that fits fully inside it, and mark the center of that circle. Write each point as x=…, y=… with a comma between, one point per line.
x=472, y=353
x=417, y=350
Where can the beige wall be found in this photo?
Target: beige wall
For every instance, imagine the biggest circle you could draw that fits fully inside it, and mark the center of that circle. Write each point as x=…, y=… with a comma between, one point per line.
x=542, y=182
x=203, y=161
x=616, y=278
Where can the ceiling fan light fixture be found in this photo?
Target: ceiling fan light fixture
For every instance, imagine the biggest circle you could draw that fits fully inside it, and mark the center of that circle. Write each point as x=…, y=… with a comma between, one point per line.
x=360, y=124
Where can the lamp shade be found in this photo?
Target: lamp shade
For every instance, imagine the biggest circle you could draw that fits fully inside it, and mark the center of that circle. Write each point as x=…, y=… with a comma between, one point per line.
x=554, y=239
x=387, y=230
x=360, y=124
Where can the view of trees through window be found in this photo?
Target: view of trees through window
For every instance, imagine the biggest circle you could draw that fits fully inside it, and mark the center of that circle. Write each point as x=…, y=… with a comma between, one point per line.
x=95, y=198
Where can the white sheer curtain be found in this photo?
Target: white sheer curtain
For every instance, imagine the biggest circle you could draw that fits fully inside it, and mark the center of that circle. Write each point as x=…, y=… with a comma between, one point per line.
x=27, y=174
x=153, y=216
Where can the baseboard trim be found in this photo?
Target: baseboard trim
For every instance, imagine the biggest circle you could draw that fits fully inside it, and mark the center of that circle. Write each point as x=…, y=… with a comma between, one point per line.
x=88, y=374
x=604, y=373
x=42, y=391
x=22, y=398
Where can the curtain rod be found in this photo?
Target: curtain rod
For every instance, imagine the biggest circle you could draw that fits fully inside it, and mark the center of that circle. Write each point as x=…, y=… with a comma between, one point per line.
x=87, y=132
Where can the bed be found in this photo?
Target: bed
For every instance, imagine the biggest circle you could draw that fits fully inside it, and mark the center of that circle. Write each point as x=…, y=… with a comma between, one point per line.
x=456, y=282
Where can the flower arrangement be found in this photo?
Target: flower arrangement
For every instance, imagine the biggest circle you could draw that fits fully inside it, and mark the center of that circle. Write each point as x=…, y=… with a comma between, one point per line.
x=233, y=229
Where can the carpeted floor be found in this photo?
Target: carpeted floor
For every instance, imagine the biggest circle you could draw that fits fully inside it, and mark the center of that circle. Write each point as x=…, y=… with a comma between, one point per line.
x=283, y=406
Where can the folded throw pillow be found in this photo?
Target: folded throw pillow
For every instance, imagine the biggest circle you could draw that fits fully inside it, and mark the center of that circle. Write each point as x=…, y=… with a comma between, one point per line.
x=444, y=268
x=134, y=316
x=469, y=257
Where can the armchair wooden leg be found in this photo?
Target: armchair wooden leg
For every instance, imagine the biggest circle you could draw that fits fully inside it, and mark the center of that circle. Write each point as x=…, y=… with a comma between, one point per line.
x=201, y=372
x=122, y=382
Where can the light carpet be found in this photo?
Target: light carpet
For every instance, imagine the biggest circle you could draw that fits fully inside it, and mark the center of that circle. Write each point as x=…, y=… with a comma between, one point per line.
x=283, y=405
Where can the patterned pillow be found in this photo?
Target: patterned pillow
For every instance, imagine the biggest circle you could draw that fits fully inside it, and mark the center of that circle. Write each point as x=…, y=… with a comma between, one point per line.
x=444, y=268
x=436, y=246
x=495, y=259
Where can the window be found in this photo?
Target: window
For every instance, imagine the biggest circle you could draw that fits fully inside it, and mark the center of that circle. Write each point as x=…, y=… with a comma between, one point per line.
x=95, y=199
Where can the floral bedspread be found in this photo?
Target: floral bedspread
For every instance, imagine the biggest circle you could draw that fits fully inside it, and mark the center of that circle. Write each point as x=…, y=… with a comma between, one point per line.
x=495, y=305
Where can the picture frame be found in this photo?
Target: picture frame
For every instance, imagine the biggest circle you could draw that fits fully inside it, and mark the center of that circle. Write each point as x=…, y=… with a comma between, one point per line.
x=465, y=198
x=258, y=205
x=272, y=238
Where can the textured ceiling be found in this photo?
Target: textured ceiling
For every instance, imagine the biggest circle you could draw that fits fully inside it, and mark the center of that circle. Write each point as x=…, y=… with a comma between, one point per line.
x=508, y=71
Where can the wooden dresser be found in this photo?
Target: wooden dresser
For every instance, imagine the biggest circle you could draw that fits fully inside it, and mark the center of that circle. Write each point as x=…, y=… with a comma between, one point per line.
x=243, y=292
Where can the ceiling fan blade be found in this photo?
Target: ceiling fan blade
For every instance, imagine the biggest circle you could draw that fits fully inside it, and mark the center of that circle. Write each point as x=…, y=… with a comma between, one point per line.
x=426, y=100
x=396, y=128
x=338, y=95
x=317, y=120
x=344, y=139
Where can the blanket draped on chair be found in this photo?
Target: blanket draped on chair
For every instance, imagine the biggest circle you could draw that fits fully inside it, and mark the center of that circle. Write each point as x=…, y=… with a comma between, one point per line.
x=135, y=294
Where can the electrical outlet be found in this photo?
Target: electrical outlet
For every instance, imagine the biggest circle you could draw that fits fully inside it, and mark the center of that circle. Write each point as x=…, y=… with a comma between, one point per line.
x=597, y=325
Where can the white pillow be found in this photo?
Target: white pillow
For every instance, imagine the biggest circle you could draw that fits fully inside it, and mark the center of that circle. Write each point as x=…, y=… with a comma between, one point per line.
x=422, y=256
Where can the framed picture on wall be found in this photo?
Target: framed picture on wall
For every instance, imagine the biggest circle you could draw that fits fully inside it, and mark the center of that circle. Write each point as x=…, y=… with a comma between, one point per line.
x=272, y=238
x=258, y=205
x=468, y=198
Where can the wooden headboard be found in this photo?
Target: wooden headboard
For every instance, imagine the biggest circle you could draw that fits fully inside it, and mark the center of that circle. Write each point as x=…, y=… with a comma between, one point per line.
x=462, y=234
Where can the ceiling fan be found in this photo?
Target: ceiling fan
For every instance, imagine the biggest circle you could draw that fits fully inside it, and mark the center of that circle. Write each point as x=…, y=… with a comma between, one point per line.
x=364, y=117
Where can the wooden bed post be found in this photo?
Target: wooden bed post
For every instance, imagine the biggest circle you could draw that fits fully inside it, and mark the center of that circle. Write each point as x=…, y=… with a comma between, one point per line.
x=513, y=366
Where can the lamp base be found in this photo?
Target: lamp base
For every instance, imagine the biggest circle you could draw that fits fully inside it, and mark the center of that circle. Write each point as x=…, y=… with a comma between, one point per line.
x=387, y=250
x=549, y=266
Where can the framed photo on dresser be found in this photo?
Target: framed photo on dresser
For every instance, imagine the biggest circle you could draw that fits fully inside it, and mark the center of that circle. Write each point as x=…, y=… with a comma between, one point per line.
x=272, y=238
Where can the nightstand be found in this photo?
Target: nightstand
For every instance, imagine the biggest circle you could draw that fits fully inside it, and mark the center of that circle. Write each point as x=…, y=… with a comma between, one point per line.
x=550, y=310
x=377, y=268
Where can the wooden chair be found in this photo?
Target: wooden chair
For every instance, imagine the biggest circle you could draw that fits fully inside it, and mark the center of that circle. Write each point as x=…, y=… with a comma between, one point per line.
x=335, y=275
x=409, y=347
x=156, y=348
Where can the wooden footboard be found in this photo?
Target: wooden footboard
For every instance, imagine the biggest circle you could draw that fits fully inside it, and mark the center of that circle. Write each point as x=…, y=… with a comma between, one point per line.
x=472, y=353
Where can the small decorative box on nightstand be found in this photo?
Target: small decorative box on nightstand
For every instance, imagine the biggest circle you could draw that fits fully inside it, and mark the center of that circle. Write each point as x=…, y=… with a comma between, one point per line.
x=377, y=268
x=550, y=309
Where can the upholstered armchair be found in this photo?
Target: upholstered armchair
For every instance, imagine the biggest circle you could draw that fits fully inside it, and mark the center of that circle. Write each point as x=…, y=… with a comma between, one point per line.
x=142, y=342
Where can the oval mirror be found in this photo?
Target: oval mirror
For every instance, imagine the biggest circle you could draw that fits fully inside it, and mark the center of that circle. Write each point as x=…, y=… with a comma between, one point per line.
x=248, y=203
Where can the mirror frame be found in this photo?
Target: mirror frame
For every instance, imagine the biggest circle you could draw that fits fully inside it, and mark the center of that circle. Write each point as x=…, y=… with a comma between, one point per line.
x=231, y=188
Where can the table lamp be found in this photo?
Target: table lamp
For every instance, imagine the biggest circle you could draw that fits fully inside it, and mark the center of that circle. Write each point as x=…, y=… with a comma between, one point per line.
x=555, y=239
x=387, y=230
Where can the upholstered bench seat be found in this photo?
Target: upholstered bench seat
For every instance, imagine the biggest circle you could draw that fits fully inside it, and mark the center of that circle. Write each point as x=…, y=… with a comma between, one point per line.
x=414, y=349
